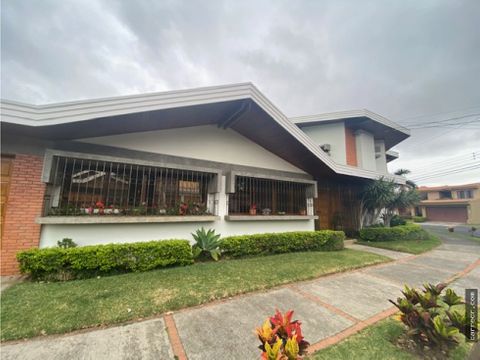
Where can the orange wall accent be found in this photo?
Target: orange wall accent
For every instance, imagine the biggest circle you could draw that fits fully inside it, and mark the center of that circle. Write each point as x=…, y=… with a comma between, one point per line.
x=351, y=148
x=24, y=205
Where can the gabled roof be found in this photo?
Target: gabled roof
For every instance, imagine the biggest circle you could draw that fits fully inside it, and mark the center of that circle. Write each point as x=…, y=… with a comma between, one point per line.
x=71, y=120
x=381, y=127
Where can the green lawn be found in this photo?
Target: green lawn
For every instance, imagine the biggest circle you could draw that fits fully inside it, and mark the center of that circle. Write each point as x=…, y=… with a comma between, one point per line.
x=408, y=246
x=30, y=309
x=377, y=343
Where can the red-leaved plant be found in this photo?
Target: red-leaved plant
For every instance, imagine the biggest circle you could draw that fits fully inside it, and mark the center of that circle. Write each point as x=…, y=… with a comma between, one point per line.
x=281, y=338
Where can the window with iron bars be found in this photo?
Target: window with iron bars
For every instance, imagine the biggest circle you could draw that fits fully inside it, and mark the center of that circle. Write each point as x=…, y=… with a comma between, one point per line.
x=95, y=187
x=257, y=196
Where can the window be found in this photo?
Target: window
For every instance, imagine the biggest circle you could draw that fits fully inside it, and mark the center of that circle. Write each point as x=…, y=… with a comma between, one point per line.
x=445, y=194
x=93, y=187
x=256, y=196
x=465, y=194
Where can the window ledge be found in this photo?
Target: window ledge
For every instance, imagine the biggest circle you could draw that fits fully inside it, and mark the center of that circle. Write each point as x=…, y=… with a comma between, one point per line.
x=112, y=219
x=269, y=217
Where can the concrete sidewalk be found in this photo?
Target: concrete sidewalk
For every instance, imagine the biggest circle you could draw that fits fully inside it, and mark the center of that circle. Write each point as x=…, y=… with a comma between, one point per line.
x=330, y=308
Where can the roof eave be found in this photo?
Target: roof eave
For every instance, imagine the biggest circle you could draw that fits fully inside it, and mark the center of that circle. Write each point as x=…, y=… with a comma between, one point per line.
x=70, y=112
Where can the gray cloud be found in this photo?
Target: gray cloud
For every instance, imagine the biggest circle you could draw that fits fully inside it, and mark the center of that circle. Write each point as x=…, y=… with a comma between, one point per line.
x=400, y=59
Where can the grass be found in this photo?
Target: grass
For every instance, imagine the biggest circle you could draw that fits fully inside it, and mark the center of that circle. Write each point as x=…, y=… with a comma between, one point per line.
x=30, y=309
x=377, y=343
x=408, y=246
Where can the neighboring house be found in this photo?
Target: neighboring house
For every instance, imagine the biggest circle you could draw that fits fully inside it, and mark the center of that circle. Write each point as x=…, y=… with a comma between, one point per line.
x=456, y=203
x=161, y=165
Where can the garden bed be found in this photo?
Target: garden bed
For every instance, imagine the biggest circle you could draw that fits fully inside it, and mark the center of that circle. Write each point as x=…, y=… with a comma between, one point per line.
x=379, y=341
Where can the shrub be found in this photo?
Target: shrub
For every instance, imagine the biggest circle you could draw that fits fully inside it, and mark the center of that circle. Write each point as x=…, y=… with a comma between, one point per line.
x=276, y=243
x=207, y=243
x=401, y=232
x=397, y=221
x=419, y=219
x=66, y=243
x=429, y=317
x=89, y=261
x=281, y=338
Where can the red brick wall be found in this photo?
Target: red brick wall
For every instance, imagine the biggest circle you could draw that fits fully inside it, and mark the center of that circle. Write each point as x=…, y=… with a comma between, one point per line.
x=351, y=147
x=24, y=205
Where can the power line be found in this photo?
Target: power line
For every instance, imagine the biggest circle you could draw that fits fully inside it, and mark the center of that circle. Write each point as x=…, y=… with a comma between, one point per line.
x=442, y=167
x=440, y=113
x=444, y=120
x=447, y=174
x=456, y=158
x=440, y=171
x=437, y=137
x=452, y=171
x=443, y=123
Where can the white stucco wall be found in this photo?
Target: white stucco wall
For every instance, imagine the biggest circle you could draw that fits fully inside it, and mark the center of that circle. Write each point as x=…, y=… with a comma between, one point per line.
x=200, y=142
x=365, y=146
x=381, y=160
x=92, y=234
x=333, y=134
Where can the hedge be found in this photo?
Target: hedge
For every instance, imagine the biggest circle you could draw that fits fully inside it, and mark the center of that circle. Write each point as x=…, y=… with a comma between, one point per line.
x=402, y=232
x=276, y=243
x=419, y=219
x=89, y=261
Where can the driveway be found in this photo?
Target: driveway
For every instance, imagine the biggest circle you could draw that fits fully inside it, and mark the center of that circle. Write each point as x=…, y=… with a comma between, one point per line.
x=330, y=308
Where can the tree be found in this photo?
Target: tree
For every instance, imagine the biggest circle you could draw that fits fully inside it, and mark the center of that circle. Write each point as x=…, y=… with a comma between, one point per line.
x=403, y=172
x=383, y=197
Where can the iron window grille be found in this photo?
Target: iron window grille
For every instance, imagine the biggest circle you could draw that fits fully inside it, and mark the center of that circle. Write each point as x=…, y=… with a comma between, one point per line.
x=94, y=187
x=257, y=196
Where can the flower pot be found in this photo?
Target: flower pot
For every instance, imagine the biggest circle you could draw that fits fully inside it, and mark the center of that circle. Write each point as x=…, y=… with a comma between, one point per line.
x=253, y=211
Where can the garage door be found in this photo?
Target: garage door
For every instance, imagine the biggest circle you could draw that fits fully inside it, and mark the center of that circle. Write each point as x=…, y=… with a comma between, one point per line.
x=450, y=213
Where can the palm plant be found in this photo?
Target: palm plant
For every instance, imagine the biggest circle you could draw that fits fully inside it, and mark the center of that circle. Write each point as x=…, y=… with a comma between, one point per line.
x=384, y=197
x=206, y=243
x=403, y=172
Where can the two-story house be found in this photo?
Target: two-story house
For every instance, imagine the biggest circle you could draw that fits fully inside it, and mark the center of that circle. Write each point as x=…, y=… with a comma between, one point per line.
x=456, y=203
x=161, y=165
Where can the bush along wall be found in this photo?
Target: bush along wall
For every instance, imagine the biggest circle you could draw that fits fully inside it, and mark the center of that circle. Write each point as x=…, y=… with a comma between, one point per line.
x=402, y=232
x=89, y=261
x=277, y=243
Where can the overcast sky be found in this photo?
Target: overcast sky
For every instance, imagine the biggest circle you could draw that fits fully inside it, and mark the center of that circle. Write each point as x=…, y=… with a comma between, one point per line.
x=414, y=62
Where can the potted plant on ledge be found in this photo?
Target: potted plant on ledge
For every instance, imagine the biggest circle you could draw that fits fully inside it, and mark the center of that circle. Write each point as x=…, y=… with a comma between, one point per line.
x=253, y=209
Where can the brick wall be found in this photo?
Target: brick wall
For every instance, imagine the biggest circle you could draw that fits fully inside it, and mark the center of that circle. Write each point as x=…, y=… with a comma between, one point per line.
x=24, y=205
x=351, y=147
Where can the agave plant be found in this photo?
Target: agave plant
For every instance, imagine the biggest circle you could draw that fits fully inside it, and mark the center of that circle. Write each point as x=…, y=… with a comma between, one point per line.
x=206, y=243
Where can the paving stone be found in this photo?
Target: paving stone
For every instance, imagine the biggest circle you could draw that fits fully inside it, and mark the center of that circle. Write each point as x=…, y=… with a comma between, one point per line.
x=357, y=294
x=470, y=281
x=226, y=330
x=463, y=248
x=389, y=253
x=145, y=340
x=410, y=274
x=440, y=263
x=466, y=258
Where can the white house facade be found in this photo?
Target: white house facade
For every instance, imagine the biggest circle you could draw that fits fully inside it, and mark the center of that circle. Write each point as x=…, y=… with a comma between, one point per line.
x=160, y=166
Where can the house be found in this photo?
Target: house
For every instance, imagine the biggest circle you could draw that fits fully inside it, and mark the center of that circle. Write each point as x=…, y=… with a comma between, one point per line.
x=456, y=203
x=161, y=165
